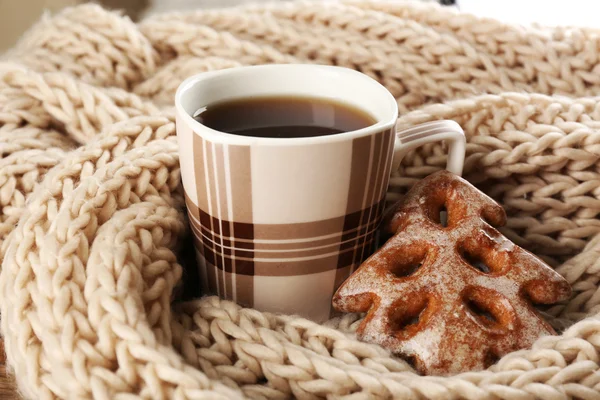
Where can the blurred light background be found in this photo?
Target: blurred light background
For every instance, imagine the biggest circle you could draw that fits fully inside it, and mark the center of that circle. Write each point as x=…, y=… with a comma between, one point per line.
x=18, y=15
x=543, y=12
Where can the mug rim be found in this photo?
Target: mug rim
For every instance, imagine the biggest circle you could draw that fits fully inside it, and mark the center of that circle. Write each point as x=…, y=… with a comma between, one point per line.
x=223, y=137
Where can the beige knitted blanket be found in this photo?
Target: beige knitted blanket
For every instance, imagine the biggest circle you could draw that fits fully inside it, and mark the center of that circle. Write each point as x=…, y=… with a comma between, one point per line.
x=91, y=215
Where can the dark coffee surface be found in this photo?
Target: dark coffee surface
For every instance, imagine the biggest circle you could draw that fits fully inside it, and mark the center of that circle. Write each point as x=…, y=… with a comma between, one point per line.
x=283, y=117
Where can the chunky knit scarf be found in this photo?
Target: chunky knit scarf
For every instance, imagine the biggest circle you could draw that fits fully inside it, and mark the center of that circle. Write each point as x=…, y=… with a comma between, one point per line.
x=92, y=220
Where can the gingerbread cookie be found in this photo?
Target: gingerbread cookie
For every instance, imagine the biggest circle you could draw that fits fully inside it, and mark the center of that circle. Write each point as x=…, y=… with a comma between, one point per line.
x=452, y=298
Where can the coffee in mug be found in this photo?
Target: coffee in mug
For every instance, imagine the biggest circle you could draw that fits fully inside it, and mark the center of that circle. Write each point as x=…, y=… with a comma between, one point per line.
x=283, y=117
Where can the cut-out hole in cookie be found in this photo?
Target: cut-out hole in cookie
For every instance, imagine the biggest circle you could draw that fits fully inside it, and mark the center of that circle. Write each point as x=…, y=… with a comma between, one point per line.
x=443, y=216
x=407, y=314
x=407, y=270
x=490, y=359
x=475, y=261
x=481, y=313
x=489, y=308
x=413, y=320
x=487, y=251
x=412, y=361
x=439, y=214
x=409, y=263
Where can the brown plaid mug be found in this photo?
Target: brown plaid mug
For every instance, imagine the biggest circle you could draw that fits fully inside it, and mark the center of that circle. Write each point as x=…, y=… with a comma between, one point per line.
x=279, y=224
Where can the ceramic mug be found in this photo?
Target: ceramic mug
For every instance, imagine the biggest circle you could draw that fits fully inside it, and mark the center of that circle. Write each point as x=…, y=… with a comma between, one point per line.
x=279, y=224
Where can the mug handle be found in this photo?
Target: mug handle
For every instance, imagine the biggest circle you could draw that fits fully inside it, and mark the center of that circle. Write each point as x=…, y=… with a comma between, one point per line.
x=428, y=132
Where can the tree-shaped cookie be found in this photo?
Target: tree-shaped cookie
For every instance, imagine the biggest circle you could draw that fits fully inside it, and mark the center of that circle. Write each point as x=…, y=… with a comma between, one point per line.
x=452, y=298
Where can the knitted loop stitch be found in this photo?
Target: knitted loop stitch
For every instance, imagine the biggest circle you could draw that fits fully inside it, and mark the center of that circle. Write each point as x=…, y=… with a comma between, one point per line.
x=91, y=211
